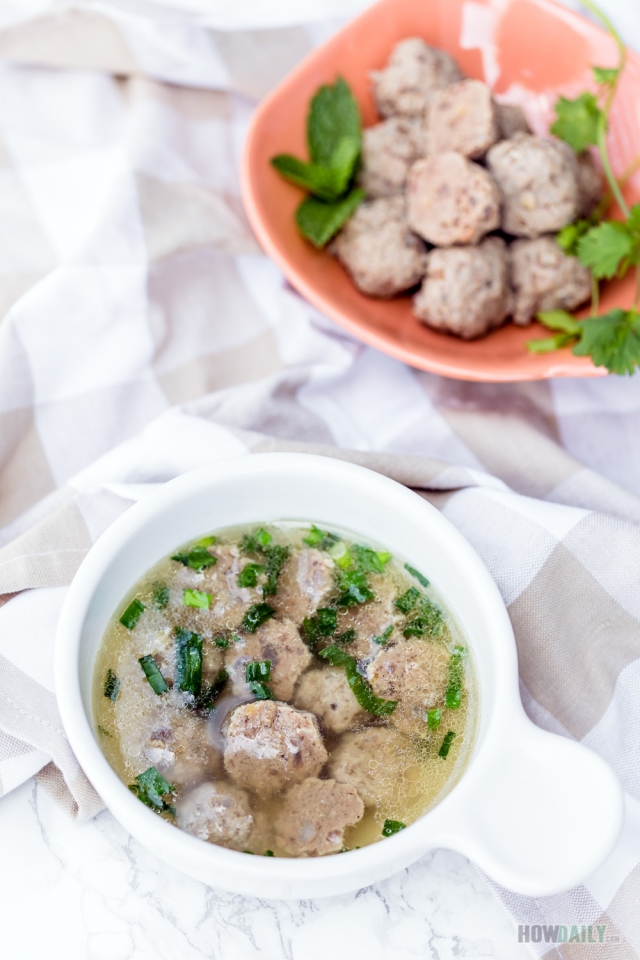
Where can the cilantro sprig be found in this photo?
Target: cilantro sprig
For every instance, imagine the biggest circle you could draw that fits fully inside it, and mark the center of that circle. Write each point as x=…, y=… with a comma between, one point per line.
x=608, y=248
x=334, y=139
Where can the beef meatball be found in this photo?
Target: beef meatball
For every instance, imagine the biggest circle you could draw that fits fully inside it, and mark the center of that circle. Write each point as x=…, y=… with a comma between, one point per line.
x=451, y=200
x=511, y=120
x=327, y=694
x=372, y=761
x=590, y=184
x=277, y=641
x=370, y=620
x=544, y=278
x=415, y=673
x=378, y=249
x=314, y=815
x=388, y=151
x=462, y=118
x=270, y=745
x=217, y=812
x=305, y=583
x=466, y=289
x=538, y=182
x=414, y=72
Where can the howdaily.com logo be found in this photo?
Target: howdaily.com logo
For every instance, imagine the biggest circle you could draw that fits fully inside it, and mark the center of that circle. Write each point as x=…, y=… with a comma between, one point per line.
x=560, y=933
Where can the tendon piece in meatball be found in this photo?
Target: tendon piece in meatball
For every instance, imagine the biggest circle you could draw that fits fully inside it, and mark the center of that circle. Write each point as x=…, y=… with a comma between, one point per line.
x=327, y=694
x=216, y=812
x=372, y=760
x=462, y=118
x=544, y=278
x=414, y=673
x=451, y=200
x=511, y=120
x=538, y=182
x=466, y=289
x=305, y=583
x=590, y=184
x=389, y=149
x=270, y=745
x=415, y=71
x=314, y=815
x=378, y=249
x=278, y=642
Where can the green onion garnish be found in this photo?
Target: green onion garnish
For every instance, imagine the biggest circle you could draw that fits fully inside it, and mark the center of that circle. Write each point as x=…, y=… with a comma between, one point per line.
x=453, y=695
x=429, y=619
x=256, y=616
x=258, y=670
x=257, y=541
x=207, y=541
x=368, y=560
x=196, y=598
x=416, y=573
x=340, y=555
x=320, y=538
x=434, y=717
x=260, y=690
x=197, y=558
x=111, y=685
x=188, y=661
x=132, y=614
x=150, y=669
x=408, y=600
x=276, y=557
x=323, y=623
x=222, y=642
x=347, y=637
x=105, y=733
x=392, y=826
x=151, y=787
x=205, y=701
x=359, y=686
x=382, y=640
x=353, y=587
x=269, y=853
x=248, y=576
x=161, y=596
x=446, y=744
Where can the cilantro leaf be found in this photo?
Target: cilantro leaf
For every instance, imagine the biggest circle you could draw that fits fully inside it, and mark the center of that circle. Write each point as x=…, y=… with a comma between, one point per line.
x=319, y=221
x=605, y=74
x=333, y=115
x=560, y=320
x=612, y=341
x=569, y=236
x=577, y=121
x=604, y=248
x=549, y=344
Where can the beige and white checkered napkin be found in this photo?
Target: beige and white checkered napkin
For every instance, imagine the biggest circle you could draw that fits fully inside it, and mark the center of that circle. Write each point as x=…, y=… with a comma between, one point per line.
x=143, y=334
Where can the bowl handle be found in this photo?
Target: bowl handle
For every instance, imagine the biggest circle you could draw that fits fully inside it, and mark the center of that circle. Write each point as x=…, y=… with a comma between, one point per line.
x=543, y=814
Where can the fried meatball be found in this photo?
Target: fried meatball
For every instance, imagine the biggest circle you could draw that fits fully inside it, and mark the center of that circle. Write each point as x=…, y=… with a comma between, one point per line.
x=372, y=761
x=378, y=249
x=511, y=120
x=415, y=673
x=451, y=200
x=270, y=745
x=590, y=184
x=217, y=812
x=327, y=694
x=388, y=151
x=277, y=641
x=462, y=118
x=544, y=278
x=314, y=815
x=538, y=182
x=414, y=72
x=305, y=583
x=466, y=289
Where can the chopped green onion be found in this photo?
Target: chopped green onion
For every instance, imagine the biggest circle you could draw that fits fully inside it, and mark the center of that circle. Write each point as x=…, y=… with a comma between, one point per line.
x=446, y=744
x=150, y=669
x=205, y=701
x=161, y=596
x=260, y=690
x=196, y=598
x=429, y=619
x=258, y=670
x=105, y=733
x=323, y=623
x=347, y=637
x=111, y=685
x=188, y=661
x=434, y=717
x=368, y=560
x=269, y=853
x=197, y=558
x=248, y=851
x=354, y=588
x=132, y=614
x=408, y=600
x=392, y=826
x=256, y=616
x=276, y=557
x=382, y=640
x=207, y=541
x=453, y=695
x=151, y=787
x=257, y=541
x=248, y=576
x=359, y=686
x=222, y=642
x=416, y=573
x=320, y=538
x=340, y=554
x=383, y=556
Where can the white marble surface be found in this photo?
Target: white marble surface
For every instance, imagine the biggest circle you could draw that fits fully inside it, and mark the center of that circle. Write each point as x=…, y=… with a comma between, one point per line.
x=90, y=892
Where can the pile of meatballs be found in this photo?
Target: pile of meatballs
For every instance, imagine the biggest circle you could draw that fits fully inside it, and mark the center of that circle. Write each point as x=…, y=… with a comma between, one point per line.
x=464, y=201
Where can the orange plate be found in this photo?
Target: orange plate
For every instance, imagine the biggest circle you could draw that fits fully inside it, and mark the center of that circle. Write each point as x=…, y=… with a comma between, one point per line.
x=530, y=51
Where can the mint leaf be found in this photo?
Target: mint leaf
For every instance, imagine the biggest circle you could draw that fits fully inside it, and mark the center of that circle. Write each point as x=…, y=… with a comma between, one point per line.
x=343, y=163
x=333, y=114
x=612, y=341
x=605, y=74
x=577, y=121
x=323, y=182
x=319, y=221
x=604, y=248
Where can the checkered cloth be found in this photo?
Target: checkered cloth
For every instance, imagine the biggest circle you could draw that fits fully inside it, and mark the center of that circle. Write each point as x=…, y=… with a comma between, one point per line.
x=144, y=334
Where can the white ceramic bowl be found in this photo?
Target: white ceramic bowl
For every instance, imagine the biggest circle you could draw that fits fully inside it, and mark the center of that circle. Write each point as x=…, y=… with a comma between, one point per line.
x=537, y=812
